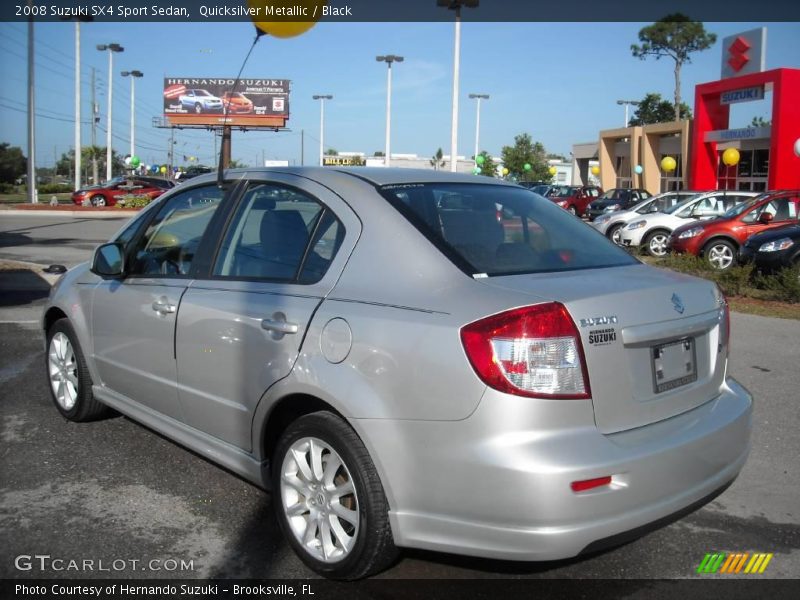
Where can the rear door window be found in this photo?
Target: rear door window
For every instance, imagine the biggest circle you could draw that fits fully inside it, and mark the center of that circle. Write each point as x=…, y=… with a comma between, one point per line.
x=501, y=230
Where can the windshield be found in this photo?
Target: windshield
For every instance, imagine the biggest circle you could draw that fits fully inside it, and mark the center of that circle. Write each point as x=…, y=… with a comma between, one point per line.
x=737, y=210
x=502, y=230
x=563, y=191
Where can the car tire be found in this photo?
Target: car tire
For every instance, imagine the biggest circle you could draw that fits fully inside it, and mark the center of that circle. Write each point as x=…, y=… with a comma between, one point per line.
x=614, y=233
x=720, y=254
x=571, y=208
x=68, y=376
x=340, y=536
x=655, y=243
x=198, y=108
x=98, y=200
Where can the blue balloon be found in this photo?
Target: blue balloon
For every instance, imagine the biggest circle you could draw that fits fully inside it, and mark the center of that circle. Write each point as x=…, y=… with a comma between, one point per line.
x=638, y=169
x=154, y=168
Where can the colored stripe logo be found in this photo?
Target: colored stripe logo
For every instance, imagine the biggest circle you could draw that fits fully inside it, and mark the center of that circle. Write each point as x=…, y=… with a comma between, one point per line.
x=735, y=562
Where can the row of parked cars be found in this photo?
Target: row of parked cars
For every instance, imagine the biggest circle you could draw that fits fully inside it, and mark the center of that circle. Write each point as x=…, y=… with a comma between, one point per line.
x=721, y=226
x=114, y=190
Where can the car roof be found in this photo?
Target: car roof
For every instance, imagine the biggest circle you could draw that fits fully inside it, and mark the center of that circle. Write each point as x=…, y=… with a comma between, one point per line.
x=378, y=176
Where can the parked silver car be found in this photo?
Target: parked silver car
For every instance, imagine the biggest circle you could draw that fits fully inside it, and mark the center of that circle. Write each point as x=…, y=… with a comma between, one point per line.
x=611, y=224
x=405, y=365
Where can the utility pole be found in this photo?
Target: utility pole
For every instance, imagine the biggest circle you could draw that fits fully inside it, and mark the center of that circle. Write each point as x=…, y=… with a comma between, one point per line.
x=77, y=105
x=171, y=151
x=32, y=192
x=225, y=147
x=95, y=120
x=302, y=147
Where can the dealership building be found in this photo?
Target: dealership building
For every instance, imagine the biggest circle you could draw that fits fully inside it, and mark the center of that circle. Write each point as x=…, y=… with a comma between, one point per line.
x=767, y=155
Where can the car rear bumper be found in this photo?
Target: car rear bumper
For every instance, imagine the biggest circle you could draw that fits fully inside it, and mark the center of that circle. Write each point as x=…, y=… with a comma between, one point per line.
x=497, y=484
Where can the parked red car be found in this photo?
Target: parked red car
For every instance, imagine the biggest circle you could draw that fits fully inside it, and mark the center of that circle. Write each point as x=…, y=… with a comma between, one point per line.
x=719, y=240
x=574, y=198
x=236, y=103
x=113, y=191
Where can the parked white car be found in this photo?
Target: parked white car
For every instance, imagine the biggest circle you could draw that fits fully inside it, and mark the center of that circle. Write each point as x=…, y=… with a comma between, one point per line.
x=610, y=224
x=652, y=232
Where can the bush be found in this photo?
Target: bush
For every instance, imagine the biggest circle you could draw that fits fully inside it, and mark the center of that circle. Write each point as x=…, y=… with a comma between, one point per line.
x=54, y=188
x=134, y=200
x=7, y=188
x=783, y=285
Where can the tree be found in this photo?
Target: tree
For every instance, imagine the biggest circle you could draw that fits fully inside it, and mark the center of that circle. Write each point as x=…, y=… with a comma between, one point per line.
x=67, y=161
x=13, y=163
x=236, y=164
x=760, y=122
x=654, y=109
x=526, y=151
x=378, y=153
x=489, y=167
x=675, y=36
x=331, y=152
x=437, y=160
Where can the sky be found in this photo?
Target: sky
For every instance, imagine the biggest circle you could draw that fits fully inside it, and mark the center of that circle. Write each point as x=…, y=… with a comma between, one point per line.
x=559, y=82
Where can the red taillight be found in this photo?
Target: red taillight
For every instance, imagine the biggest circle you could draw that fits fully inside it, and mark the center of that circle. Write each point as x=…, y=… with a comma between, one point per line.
x=590, y=484
x=533, y=351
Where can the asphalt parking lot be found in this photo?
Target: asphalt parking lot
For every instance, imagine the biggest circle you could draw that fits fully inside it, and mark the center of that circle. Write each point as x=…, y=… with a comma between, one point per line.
x=115, y=491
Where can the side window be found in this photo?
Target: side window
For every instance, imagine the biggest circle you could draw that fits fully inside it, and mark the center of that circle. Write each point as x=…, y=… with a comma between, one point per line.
x=171, y=240
x=279, y=234
x=780, y=209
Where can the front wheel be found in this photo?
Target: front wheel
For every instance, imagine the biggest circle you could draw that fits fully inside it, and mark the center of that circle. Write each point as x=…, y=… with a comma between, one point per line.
x=329, y=500
x=198, y=108
x=720, y=254
x=70, y=381
x=614, y=233
x=655, y=244
x=571, y=208
x=98, y=200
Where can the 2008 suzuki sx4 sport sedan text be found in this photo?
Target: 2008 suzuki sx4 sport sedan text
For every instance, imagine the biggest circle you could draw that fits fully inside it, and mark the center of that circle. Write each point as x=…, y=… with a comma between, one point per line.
x=407, y=358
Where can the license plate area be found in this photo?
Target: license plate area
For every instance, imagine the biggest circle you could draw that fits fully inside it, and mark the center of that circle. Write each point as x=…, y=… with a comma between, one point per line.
x=674, y=364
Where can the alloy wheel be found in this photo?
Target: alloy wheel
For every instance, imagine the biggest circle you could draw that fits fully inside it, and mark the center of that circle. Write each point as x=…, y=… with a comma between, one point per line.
x=658, y=244
x=720, y=256
x=319, y=500
x=63, y=369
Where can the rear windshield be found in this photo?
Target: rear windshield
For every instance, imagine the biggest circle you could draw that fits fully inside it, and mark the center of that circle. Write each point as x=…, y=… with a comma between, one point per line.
x=502, y=230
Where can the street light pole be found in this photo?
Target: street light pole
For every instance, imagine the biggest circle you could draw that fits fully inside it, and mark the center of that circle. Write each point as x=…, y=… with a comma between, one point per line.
x=388, y=59
x=111, y=48
x=77, y=105
x=32, y=183
x=628, y=103
x=322, y=98
x=133, y=75
x=456, y=5
x=478, y=97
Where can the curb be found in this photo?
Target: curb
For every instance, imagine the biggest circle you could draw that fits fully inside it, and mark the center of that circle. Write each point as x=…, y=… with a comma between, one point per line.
x=116, y=214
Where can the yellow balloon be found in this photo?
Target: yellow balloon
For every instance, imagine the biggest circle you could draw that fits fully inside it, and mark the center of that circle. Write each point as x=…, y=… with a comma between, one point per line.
x=552, y=170
x=668, y=164
x=505, y=170
x=730, y=157
x=311, y=10
x=595, y=170
x=163, y=169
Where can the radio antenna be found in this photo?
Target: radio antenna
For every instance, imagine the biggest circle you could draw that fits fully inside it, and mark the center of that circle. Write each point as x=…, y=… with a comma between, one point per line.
x=220, y=169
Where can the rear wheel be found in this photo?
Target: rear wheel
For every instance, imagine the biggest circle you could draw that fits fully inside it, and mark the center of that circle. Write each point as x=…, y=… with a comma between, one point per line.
x=329, y=500
x=655, y=244
x=614, y=233
x=198, y=108
x=70, y=382
x=720, y=254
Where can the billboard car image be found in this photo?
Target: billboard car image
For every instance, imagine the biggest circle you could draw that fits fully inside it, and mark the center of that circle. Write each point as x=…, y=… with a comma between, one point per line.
x=214, y=101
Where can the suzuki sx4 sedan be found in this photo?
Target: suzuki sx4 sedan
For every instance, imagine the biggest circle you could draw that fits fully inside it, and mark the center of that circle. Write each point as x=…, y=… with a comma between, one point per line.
x=407, y=359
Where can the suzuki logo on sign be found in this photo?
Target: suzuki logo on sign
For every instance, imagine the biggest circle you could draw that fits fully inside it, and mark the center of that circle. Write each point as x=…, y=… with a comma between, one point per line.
x=738, y=51
x=744, y=53
x=744, y=95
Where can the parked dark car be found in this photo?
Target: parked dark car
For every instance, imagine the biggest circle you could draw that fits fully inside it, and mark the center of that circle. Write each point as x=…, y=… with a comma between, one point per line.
x=158, y=182
x=773, y=250
x=719, y=240
x=616, y=199
x=574, y=198
x=194, y=172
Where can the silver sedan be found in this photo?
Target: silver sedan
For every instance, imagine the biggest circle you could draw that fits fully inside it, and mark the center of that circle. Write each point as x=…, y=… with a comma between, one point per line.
x=407, y=359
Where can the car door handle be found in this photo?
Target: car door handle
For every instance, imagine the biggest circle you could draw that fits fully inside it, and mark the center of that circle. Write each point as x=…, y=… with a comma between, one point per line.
x=281, y=327
x=163, y=307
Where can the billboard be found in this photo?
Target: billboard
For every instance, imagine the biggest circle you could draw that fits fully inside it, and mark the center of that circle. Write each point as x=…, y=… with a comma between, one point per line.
x=213, y=101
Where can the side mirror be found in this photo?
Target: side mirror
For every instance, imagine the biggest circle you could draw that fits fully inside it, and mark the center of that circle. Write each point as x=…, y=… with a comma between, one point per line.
x=653, y=208
x=109, y=260
x=765, y=218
